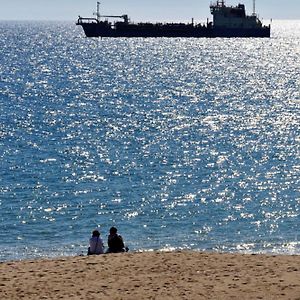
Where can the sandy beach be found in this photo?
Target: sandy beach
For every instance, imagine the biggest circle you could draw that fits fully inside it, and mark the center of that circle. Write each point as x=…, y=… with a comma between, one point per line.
x=153, y=275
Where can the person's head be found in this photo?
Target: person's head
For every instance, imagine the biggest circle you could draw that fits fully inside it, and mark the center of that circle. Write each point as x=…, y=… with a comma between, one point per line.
x=113, y=230
x=96, y=233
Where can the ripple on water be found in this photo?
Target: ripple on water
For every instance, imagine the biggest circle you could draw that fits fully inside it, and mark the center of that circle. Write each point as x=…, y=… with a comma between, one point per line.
x=182, y=143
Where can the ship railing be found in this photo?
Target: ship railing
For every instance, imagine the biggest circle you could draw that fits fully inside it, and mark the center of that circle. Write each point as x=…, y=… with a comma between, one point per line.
x=86, y=20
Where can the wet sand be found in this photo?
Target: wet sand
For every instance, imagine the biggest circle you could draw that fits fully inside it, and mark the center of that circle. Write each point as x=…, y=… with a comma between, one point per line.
x=153, y=275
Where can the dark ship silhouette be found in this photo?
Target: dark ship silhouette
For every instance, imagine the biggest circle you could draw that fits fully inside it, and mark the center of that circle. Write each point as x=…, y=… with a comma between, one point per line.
x=228, y=21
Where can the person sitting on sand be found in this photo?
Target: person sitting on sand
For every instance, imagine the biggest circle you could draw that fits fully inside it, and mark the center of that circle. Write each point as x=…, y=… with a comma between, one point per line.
x=96, y=244
x=115, y=242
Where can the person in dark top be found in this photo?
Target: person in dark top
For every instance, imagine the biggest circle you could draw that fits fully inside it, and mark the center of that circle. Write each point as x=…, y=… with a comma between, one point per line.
x=115, y=242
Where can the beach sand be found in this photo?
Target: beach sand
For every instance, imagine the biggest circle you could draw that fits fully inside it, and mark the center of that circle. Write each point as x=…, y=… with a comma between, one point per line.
x=153, y=275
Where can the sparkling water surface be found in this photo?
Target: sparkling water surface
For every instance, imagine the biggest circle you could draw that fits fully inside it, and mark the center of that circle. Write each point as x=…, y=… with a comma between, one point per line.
x=180, y=143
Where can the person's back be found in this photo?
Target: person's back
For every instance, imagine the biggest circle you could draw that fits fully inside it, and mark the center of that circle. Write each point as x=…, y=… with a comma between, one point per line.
x=96, y=244
x=115, y=242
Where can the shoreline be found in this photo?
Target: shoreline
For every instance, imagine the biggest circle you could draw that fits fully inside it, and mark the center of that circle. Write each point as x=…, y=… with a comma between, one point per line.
x=153, y=275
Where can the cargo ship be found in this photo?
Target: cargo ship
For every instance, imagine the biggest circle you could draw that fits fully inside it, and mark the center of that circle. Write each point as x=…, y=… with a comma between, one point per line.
x=228, y=21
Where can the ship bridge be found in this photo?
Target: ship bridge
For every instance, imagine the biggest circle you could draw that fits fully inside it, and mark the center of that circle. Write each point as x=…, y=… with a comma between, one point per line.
x=232, y=16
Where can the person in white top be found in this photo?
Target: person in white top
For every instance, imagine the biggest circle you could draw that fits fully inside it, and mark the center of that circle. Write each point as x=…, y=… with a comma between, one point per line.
x=96, y=244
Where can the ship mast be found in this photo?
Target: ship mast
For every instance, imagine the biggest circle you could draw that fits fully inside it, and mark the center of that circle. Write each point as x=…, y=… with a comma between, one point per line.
x=254, y=9
x=98, y=11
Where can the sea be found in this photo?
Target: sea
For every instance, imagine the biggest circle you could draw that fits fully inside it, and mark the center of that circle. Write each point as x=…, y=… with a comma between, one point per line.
x=181, y=143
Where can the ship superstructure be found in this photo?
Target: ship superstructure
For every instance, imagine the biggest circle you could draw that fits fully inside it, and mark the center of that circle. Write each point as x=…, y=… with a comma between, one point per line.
x=228, y=21
x=233, y=21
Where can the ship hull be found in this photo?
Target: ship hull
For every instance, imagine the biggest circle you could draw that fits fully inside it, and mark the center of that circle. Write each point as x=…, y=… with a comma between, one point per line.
x=263, y=32
x=131, y=31
x=97, y=30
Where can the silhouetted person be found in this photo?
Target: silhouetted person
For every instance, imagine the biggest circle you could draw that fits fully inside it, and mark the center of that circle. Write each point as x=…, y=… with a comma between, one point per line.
x=115, y=242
